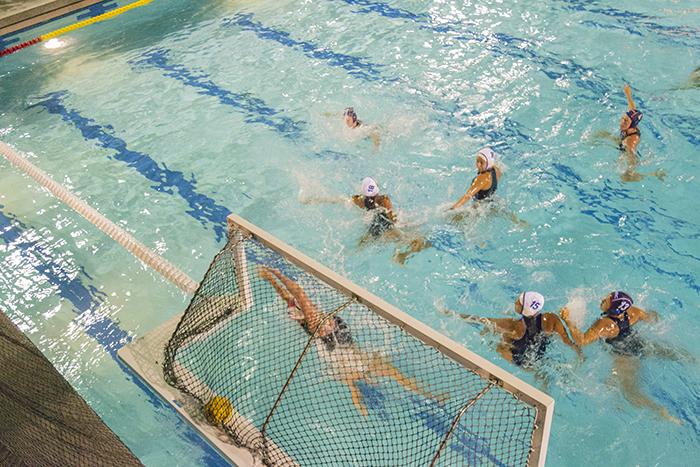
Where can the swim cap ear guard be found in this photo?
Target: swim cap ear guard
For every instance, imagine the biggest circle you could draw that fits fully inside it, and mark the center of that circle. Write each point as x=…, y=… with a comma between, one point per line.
x=619, y=303
x=532, y=303
x=369, y=187
x=489, y=156
x=635, y=116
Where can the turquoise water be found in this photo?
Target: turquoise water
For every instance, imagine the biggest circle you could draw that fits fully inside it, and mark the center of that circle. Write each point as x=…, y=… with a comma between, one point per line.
x=172, y=115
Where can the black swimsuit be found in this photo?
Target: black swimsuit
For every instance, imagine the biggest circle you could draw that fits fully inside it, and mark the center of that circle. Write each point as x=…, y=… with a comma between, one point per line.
x=624, y=135
x=483, y=194
x=381, y=222
x=533, y=343
x=627, y=342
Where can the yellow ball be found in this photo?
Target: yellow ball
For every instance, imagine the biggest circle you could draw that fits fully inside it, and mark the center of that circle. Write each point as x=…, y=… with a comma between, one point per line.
x=218, y=410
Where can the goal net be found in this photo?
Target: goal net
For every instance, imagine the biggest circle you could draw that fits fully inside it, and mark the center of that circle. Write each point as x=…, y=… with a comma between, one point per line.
x=281, y=356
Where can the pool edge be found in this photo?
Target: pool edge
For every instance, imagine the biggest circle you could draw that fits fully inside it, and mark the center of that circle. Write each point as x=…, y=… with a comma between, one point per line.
x=40, y=14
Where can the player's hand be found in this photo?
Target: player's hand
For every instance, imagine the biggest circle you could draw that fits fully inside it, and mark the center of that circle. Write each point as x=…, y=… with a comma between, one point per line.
x=564, y=313
x=264, y=273
x=296, y=315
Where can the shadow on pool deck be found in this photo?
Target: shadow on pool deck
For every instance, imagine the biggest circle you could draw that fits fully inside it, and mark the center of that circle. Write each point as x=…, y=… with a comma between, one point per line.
x=43, y=421
x=20, y=14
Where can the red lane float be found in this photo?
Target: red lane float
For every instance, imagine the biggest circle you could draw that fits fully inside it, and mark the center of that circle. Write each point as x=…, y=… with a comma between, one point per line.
x=15, y=48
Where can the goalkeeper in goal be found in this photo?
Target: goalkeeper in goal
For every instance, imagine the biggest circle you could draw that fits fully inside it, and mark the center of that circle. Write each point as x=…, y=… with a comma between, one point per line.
x=347, y=362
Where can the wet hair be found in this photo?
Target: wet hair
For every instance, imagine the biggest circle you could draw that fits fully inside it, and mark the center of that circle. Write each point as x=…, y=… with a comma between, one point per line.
x=351, y=113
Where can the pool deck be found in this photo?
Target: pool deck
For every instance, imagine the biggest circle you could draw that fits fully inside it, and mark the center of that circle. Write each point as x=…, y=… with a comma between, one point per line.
x=19, y=14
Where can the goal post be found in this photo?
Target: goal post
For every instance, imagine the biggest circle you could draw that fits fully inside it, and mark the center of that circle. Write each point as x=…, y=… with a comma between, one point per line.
x=381, y=389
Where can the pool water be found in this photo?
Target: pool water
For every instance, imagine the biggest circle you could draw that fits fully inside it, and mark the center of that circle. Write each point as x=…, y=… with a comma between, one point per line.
x=171, y=116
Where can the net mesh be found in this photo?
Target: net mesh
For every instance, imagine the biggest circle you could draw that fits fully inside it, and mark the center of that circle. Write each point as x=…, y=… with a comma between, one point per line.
x=371, y=394
x=43, y=421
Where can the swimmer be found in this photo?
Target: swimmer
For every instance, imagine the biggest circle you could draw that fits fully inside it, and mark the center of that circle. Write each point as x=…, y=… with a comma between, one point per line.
x=333, y=333
x=355, y=367
x=483, y=186
x=629, y=138
x=383, y=223
x=350, y=117
x=628, y=141
x=485, y=183
x=524, y=340
x=384, y=219
x=615, y=327
x=351, y=121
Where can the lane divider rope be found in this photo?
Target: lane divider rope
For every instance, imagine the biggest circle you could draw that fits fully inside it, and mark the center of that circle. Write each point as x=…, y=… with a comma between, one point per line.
x=73, y=27
x=125, y=239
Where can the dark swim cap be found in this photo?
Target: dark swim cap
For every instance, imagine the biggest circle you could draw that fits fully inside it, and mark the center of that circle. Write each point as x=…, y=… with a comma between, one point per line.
x=351, y=112
x=619, y=303
x=636, y=117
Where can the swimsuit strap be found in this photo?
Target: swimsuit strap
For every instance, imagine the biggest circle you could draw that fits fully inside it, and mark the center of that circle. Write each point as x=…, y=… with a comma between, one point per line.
x=483, y=194
x=624, y=328
x=624, y=135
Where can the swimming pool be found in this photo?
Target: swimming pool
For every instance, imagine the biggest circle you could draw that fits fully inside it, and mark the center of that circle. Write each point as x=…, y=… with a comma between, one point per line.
x=171, y=116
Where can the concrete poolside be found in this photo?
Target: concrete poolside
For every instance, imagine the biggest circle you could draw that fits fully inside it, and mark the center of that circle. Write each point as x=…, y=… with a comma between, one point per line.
x=19, y=14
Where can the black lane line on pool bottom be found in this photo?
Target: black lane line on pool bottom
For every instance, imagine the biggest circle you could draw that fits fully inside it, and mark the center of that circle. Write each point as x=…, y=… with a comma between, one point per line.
x=359, y=67
x=633, y=22
x=254, y=109
x=202, y=207
x=597, y=203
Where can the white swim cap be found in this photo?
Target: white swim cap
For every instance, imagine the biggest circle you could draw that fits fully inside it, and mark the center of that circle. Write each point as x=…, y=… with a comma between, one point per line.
x=532, y=303
x=369, y=187
x=489, y=156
